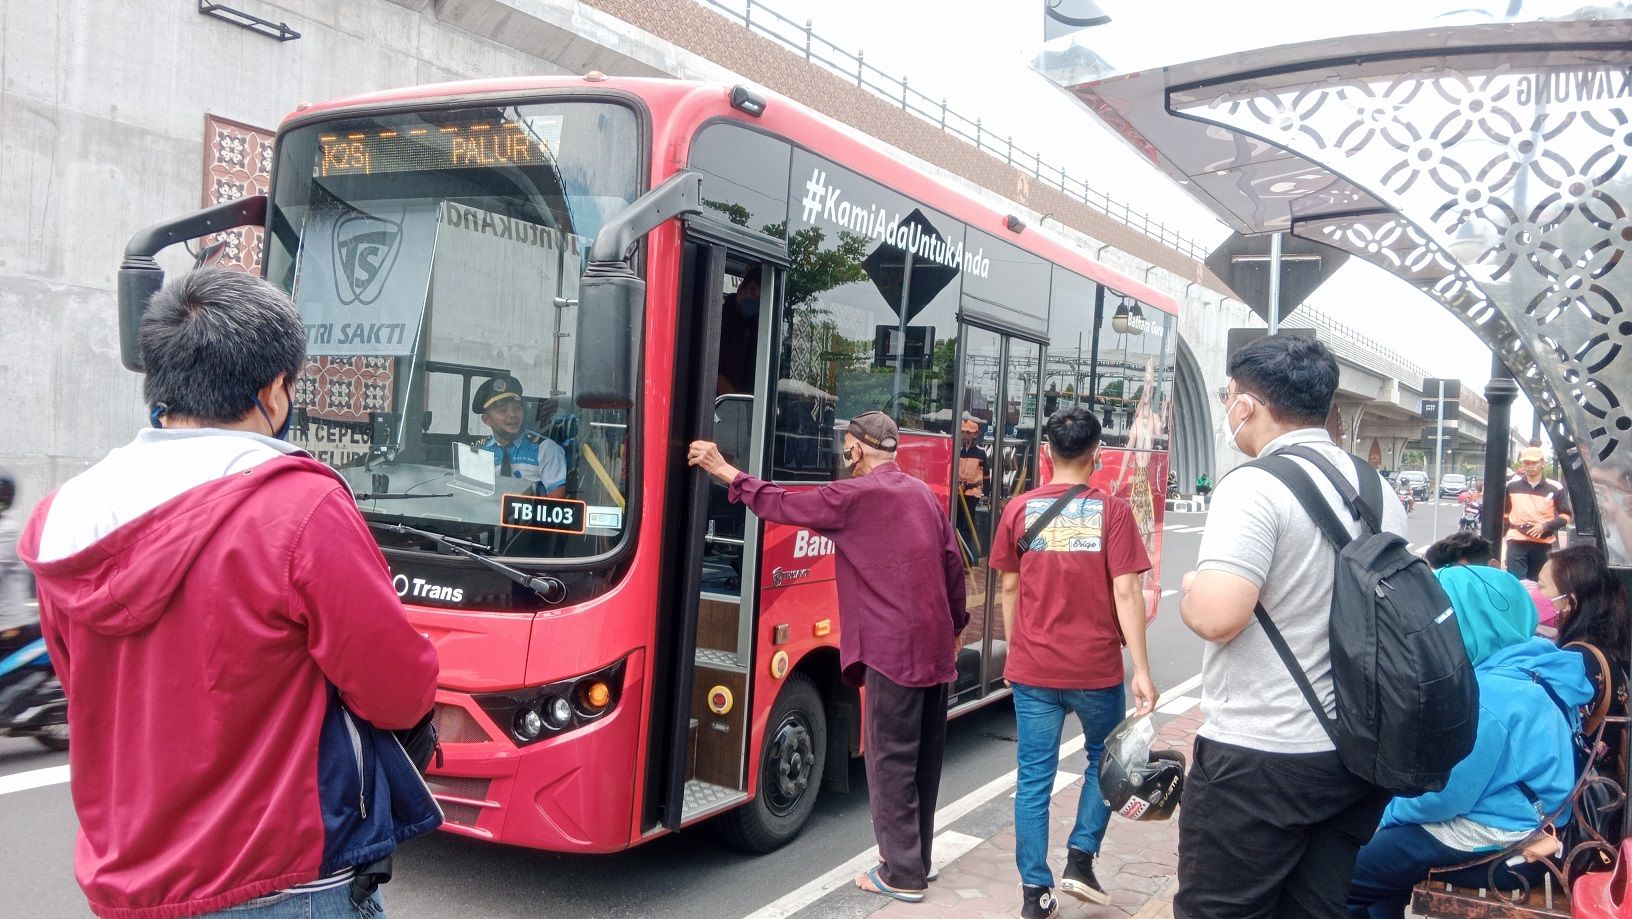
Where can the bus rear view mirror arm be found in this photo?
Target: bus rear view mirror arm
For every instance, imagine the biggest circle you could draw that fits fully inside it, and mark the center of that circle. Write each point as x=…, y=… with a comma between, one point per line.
x=680, y=196
x=612, y=298
x=140, y=276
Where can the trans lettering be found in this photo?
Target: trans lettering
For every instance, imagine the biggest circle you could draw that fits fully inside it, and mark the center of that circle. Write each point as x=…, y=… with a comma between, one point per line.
x=420, y=588
x=809, y=545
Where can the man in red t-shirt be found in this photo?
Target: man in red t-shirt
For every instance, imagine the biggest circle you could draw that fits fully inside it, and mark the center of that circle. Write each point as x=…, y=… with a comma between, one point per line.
x=1071, y=599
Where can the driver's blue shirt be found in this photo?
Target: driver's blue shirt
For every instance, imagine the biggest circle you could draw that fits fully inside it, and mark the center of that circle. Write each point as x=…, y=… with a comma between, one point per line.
x=533, y=458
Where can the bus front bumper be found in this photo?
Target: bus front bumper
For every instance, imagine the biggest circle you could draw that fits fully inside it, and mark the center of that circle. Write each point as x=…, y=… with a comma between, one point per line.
x=571, y=793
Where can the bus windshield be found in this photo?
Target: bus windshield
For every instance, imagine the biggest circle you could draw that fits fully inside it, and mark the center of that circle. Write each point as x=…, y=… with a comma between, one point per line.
x=435, y=259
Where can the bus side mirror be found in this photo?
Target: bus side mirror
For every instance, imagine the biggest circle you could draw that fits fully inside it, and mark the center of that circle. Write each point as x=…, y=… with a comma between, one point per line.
x=612, y=298
x=140, y=276
x=611, y=313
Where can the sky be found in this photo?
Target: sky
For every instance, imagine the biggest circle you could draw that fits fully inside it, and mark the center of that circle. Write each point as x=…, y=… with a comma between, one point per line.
x=975, y=53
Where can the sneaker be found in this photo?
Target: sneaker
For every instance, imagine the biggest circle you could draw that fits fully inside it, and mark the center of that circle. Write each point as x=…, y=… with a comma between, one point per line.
x=1037, y=903
x=1078, y=878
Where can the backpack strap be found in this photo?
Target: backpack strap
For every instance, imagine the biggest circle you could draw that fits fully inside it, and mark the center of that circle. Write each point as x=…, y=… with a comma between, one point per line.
x=1042, y=522
x=1293, y=476
x=1296, y=669
x=1535, y=800
x=1366, y=504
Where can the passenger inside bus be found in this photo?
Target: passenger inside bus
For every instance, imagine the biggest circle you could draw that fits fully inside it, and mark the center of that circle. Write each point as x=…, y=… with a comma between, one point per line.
x=739, y=334
x=518, y=451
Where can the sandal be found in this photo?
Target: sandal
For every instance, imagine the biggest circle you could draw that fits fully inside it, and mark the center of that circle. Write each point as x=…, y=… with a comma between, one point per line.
x=872, y=883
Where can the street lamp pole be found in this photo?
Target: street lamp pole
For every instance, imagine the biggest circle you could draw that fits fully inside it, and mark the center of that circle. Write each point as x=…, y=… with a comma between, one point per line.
x=1500, y=392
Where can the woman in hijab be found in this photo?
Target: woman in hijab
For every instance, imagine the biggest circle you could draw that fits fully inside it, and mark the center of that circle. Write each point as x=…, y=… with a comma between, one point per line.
x=1522, y=767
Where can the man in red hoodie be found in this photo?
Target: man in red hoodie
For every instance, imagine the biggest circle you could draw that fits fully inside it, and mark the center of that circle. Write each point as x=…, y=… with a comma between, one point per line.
x=225, y=628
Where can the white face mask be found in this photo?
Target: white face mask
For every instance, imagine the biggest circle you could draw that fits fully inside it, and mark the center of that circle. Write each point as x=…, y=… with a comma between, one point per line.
x=1230, y=434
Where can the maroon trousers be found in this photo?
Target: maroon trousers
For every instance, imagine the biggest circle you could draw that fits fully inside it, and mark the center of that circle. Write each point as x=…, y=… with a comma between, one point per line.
x=906, y=740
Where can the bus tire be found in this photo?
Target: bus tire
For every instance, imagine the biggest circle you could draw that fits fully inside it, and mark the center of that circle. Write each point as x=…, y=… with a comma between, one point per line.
x=790, y=772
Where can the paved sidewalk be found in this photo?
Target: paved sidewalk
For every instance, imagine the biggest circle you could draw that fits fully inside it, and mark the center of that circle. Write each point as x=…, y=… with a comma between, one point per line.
x=1137, y=863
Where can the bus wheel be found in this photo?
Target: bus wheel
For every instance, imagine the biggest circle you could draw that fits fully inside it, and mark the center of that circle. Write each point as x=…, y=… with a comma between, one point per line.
x=790, y=772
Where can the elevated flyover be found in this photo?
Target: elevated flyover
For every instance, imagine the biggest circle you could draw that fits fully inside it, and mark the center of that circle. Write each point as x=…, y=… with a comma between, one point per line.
x=1379, y=400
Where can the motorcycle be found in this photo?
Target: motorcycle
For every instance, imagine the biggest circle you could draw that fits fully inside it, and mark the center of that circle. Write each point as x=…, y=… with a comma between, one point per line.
x=1471, y=512
x=1408, y=497
x=32, y=703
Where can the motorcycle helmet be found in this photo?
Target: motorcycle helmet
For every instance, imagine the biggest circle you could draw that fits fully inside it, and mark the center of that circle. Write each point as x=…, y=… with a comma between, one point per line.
x=8, y=490
x=1135, y=781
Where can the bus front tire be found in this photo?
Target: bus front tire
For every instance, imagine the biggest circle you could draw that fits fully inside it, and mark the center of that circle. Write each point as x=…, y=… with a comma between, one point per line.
x=790, y=772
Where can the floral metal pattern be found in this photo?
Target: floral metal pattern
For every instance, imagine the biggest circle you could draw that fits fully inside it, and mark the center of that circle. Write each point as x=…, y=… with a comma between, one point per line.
x=1505, y=195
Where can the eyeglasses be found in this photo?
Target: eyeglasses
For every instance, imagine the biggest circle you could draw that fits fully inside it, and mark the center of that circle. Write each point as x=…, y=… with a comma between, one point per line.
x=1224, y=395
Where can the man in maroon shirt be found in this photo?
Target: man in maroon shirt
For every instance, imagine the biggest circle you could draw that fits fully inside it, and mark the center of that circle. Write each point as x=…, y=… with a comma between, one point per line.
x=901, y=608
x=1070, y=599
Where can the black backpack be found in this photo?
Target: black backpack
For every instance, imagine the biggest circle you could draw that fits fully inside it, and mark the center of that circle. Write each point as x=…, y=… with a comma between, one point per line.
x=1407, y=702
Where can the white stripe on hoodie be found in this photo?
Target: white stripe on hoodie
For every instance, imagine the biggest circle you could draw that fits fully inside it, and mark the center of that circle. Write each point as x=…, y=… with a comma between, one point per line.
x=160, y=464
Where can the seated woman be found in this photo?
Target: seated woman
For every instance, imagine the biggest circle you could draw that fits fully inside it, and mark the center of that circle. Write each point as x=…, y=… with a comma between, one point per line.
x=1522, y=767
x=1592, y=609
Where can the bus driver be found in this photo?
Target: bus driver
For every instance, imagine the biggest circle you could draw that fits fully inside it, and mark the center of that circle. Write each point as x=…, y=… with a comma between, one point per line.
x=518, y=451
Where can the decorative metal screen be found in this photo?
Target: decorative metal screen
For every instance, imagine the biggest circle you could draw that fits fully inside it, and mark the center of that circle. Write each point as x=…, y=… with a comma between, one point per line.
x=1504, y=193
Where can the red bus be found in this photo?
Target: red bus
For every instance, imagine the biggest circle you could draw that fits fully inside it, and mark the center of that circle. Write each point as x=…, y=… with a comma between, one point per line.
x=634, y=264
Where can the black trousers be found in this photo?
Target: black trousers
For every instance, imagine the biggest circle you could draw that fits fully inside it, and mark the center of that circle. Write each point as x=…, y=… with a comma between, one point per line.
x=1524, y=558
x=906, y=740
x=1270, y=834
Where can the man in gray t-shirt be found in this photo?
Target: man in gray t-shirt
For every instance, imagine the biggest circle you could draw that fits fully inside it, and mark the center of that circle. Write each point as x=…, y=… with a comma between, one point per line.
x=1271, y=820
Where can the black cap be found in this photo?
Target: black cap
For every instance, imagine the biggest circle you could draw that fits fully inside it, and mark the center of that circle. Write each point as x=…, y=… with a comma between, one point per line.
x=493, y=391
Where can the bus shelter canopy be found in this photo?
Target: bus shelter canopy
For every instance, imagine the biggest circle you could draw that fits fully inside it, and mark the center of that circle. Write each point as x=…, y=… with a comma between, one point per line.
x=1484, y=155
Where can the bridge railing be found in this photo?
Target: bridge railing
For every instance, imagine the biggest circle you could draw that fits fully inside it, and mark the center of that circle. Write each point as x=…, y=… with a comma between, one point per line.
x=802, y=39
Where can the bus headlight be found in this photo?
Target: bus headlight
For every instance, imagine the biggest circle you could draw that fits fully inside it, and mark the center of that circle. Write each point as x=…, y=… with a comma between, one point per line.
x=557, y=713
x=529, y=724
x=541, y=712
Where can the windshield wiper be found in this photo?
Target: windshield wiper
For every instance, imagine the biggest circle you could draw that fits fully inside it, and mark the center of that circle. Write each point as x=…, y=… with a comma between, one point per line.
x=388, y=495
x=549, y=589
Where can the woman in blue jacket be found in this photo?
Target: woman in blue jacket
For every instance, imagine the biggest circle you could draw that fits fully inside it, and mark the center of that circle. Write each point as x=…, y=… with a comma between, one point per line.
x=1522, y=767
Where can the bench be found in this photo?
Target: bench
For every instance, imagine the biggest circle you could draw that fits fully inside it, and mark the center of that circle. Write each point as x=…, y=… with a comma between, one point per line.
x=1440, y=900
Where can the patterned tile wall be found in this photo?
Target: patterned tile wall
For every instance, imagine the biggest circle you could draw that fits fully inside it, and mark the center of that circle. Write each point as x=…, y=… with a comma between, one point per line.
x=238, y=162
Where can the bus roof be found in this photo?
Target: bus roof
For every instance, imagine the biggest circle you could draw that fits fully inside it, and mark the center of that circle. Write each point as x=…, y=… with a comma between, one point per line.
x=689, y=104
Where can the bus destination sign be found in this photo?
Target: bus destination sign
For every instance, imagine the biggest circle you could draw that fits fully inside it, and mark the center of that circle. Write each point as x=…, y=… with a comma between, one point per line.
x=448, y=146
x=553, y=515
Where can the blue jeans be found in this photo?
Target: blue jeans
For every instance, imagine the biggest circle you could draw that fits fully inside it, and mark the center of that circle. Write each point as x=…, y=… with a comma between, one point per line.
x=1039, y=713
x=334, y=903
x=1399, y=856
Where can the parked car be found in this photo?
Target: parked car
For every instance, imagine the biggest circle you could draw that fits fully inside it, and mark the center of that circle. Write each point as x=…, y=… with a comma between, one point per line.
x=1452, y=485
x=1418, y=481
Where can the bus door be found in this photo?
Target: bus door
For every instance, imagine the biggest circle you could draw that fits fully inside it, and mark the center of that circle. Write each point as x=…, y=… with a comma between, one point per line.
x=997, y=460
x=722, y=364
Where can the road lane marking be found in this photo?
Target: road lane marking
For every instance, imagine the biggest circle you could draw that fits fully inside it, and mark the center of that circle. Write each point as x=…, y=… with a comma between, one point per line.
x=796, y=900
x=34, y=778
x=1168, y=593
x=949, y=847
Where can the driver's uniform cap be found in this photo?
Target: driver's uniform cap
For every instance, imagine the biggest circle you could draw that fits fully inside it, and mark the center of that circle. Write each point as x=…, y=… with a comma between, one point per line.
x=494, y=391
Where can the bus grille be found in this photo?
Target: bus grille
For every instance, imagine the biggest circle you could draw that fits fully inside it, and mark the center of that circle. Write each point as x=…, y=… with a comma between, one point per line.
x=460, y=814
x=454, y=725
x=455, y=786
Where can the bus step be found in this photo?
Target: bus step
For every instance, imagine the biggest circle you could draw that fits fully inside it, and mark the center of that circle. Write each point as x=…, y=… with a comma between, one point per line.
x=719, y=660
x=705, y=798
